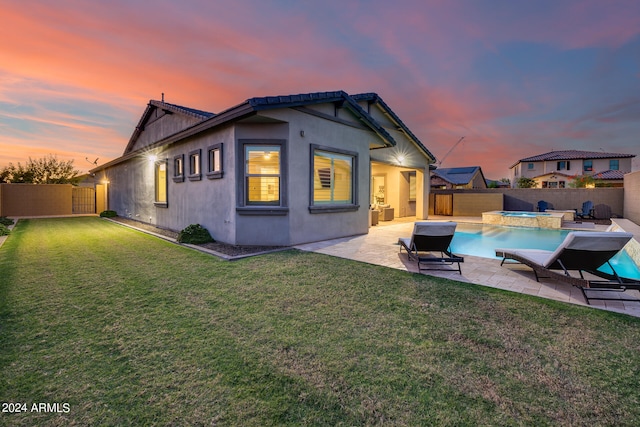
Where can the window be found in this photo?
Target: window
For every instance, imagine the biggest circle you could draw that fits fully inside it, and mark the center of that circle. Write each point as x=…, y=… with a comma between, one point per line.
x=563, y=165
x=587, y=166
x=160, y=179
x=614, y=165
x=412, y=186
x=262, y=174
x=553, y=184
x=178, y=168
x=530, y=166
x=561, y=184
x=333, y=179
x=545, y=184
x=194, y=166
x=214, y=161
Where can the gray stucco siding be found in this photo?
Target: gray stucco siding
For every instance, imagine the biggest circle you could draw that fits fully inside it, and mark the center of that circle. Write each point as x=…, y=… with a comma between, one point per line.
x=161, y=126
x=306, y=226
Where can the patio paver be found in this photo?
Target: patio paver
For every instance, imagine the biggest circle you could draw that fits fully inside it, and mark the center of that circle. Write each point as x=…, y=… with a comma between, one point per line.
x=380, y=247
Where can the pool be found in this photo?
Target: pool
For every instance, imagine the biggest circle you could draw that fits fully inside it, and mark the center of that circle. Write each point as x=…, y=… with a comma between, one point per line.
x=482, y=240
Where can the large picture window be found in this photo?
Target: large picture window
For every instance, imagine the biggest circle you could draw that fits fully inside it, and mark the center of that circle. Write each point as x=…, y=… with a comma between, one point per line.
x=161, y=183
x=333, y=179
x=263, y=165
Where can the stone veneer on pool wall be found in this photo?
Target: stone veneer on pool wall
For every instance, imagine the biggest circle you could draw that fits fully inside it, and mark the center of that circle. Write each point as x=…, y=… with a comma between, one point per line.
x=524, y=219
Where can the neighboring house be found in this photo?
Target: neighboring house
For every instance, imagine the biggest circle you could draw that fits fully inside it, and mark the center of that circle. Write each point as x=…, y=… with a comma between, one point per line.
x=458, y=178
x=492, y=183
x=280, y=170
x=557, y=169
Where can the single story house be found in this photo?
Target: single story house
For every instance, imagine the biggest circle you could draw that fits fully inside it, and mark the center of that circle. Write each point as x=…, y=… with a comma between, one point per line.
x=278, y=170
x=556, y=169
x=458, y=178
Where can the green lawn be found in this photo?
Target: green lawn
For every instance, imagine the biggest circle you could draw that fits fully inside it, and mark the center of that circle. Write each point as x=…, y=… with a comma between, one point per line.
x=128, y=329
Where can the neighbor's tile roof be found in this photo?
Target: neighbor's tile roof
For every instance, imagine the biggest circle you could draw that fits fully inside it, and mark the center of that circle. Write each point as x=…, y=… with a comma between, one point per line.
x=573, y=155
x=610, y=174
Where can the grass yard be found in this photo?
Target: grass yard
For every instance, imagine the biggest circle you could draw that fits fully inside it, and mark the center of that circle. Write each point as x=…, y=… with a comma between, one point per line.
x=127, y=329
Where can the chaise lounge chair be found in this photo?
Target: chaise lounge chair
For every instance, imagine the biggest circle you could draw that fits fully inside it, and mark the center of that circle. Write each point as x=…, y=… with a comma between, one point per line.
x=431, y=237
x=581, y=251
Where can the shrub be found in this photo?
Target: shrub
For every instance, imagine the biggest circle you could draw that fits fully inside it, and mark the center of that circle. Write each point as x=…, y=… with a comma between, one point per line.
x=5, y=221
x=108, y=214
x=4, y=231
x=196, y=234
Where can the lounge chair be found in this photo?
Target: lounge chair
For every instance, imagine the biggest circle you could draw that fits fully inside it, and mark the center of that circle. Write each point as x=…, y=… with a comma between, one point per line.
x=587, y=210
x=581, y=251
x=430, y=237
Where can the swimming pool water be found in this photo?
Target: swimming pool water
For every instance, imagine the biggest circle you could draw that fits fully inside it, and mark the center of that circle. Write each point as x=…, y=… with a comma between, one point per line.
x=482, y=240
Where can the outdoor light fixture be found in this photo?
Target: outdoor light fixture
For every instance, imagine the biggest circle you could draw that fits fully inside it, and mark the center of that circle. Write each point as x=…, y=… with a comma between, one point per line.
x=153, y=157
x=400, y=158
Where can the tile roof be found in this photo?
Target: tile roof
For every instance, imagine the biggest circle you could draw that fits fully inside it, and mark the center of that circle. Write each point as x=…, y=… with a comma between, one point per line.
x=253, y=105
x=185, y=110
x=610, y=174
x=573, y=155
x=375, y=98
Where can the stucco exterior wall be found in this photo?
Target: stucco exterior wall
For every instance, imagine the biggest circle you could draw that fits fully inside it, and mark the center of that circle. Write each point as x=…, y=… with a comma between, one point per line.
x=470, y=204
x=632, y=196
x=36, y=199
x=526, y=199
x=162, y=125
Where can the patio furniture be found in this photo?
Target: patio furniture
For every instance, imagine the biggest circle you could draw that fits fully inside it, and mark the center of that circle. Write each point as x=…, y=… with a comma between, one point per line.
x=373, y=214
x=602, y=211
x=430, y=237
x=581, y=251
x=587, y=210
x=387, y=213
x=544, y=205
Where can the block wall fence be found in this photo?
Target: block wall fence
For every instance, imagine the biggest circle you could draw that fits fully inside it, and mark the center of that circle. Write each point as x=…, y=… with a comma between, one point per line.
x=632, y=197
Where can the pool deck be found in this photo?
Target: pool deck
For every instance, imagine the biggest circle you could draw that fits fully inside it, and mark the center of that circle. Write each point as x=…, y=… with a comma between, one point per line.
x=380, y=247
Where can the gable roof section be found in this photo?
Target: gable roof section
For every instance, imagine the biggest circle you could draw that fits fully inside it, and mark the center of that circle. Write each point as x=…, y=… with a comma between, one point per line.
x=374, y=98
x=458, y=176
x=251, y=107
x=290, y=101
x=169, y=108
x=572, y=155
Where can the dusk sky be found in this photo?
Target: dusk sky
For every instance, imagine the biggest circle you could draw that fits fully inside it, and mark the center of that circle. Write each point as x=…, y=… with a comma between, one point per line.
x=516, y=78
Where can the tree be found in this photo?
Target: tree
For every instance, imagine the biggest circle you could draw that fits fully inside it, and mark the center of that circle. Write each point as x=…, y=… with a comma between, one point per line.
x=583, y=181
x=524, y=182
x=47, y=170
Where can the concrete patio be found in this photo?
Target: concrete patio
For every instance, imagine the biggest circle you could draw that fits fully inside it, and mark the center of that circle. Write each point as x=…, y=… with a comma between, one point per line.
x=380, y=247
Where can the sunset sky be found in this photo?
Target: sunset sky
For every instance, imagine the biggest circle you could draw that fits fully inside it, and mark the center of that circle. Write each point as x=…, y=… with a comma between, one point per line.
x=514, y=77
